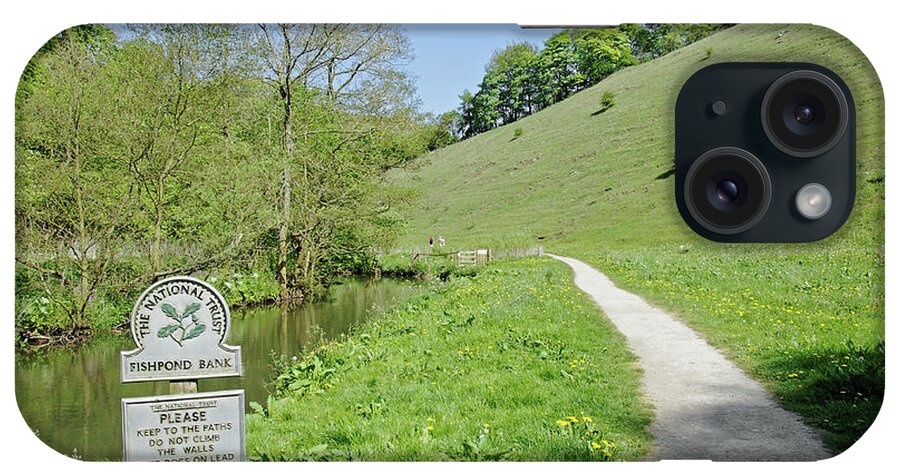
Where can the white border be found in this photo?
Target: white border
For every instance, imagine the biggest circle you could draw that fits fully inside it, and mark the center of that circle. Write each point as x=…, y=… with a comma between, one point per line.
x=865, y=22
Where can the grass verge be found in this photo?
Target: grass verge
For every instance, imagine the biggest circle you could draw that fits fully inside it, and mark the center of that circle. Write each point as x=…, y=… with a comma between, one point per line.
x=513, y=363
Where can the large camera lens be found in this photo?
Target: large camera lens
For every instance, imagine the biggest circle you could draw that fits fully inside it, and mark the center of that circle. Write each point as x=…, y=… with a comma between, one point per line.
x=727, y=190
x=804, y=113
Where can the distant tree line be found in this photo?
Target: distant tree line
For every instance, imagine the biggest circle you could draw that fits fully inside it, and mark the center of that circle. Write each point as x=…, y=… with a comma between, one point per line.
x=149, y=151
x=522, y=79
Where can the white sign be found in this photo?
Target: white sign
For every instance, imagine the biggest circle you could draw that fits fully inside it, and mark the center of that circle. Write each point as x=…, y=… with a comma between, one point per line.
x=192, y=427
x=179, y=326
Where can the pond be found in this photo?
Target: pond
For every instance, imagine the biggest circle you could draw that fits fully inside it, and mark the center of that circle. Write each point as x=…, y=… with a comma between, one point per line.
x=71, y=397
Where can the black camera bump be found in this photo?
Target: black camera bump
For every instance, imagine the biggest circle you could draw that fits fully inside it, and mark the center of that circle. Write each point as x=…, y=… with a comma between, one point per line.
x=779, y=166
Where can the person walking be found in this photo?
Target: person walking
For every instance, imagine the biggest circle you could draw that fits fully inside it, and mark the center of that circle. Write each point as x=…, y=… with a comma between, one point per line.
x=431, y=241
x=441, y=240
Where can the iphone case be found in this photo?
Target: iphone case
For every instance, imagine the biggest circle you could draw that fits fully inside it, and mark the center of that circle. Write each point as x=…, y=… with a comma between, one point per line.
x=505, y=279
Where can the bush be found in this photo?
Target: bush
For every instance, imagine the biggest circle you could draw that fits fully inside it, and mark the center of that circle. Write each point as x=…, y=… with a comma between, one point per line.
x=709, y=51
x=517, y=133
x=244, y=289
x=607, y=101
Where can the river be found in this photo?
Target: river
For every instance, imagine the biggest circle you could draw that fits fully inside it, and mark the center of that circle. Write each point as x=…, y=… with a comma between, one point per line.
x=71, y=397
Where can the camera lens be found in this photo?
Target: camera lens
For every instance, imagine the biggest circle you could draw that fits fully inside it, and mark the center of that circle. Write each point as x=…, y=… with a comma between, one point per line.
x=727, y=190
x=804, y=113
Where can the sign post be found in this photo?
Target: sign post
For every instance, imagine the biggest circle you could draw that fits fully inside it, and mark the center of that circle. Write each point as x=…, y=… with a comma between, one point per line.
x=179, y=326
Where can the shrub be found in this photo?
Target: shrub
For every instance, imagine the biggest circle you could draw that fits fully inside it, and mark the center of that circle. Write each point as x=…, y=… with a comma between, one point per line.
x=517, y=133
x=243, y=289
x=607, y=101
x=709, y=51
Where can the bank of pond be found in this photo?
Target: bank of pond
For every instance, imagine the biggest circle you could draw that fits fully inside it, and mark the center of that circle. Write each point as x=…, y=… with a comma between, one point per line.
x=509, y=362
x=70, y=396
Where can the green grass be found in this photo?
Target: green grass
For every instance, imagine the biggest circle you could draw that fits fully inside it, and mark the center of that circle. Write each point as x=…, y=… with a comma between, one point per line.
x=416, y=265
x=513, y=363
x=595, y=187
x=811, y=334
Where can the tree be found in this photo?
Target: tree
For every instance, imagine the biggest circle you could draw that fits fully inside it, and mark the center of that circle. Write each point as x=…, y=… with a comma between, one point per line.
x=301, y=60
x=70, y=200
x=653, y=40
x=560, y=62
x=600, y=53
x=511, y=67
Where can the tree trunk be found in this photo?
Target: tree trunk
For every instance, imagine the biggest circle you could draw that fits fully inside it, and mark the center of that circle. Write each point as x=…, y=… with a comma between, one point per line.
x=75, y=151
x=283, y=230
x=288, y=145
x=157, y=230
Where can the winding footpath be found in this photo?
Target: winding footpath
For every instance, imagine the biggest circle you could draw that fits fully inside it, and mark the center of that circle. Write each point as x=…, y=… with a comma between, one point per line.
x=706, y=407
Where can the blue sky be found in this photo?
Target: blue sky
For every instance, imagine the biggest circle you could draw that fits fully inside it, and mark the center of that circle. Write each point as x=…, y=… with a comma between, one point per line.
x=451, y=58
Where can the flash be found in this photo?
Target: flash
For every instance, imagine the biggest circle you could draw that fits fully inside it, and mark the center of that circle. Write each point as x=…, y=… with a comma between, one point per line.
x=813, y=201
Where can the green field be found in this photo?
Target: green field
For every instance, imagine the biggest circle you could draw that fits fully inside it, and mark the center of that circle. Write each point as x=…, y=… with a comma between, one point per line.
x=513, y=363
x=806, y=320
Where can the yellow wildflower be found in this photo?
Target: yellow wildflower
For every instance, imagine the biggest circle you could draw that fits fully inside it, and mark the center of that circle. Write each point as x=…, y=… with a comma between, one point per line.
x=429, y=428
x=562, y=423
x=587, y=419
x=572, y=419
x=595, y=446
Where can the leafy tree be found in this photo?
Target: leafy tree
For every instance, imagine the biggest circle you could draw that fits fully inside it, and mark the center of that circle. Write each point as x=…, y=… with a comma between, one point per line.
x=559, y=60
x=602, y=52
x=511, y=68
x=70, y=199
x=321, y=72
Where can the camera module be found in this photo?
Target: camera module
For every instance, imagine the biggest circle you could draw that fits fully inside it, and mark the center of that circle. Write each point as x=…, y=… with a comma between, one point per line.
x=727, y=190
x=804, y=113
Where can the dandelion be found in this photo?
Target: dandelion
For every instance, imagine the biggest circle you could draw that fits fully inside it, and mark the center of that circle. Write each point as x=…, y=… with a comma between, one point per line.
x=572, y=419
x=587, y=419
x=429, y=420
x=429, y=428
x=562, y=423
x=487, y=425
x=595, y=446
x=793, y=375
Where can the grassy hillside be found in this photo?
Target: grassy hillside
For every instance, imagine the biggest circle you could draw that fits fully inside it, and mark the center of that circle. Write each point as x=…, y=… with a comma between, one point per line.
x=807, y=320
x=575, y=176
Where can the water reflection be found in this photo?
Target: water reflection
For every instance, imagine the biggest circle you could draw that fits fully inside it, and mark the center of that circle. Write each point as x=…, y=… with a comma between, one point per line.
x=71, y=398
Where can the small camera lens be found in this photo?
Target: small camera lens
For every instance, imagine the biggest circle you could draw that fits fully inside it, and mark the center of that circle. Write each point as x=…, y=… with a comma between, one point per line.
x=727, y=190
x=804, y=113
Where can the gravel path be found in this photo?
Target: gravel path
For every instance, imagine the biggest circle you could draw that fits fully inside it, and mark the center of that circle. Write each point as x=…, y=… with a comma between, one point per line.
x=706, y=408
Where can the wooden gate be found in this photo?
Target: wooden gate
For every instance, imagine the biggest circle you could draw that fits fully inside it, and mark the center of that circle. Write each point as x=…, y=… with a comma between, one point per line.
x=472, y=257
x=466, y=258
